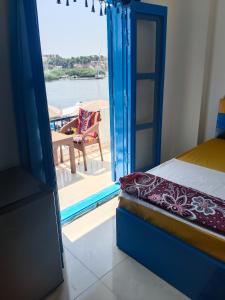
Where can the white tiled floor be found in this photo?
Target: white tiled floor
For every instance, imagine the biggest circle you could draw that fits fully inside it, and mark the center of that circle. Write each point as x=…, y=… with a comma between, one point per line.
x=97, y=270
x=73, y=187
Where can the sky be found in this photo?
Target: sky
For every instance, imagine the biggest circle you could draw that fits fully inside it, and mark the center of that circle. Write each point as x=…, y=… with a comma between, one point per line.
x=71, y=30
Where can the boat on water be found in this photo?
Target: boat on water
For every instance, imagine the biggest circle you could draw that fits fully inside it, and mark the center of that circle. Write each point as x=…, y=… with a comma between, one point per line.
x=99, y=76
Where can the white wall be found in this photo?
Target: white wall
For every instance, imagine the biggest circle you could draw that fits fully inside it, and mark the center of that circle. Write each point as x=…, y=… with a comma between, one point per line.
x=8, y=142
x=215, y=89
x=185, y=59
x=185, y=62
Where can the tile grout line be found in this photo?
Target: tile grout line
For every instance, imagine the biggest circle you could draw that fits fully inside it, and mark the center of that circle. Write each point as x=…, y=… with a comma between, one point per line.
x=126, y=258
x=86, y=289
x=100, y=278
x=83, y=264
x=75, y=257
x=93, y=285
x=93, y=273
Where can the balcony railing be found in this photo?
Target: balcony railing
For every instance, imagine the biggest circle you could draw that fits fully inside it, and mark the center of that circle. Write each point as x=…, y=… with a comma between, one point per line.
x=57, y=123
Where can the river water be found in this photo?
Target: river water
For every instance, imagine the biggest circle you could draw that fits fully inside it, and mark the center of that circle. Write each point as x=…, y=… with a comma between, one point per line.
x=67, y=92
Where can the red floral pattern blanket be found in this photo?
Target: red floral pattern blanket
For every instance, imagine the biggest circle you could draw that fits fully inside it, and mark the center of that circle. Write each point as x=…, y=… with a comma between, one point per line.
x=198, y=207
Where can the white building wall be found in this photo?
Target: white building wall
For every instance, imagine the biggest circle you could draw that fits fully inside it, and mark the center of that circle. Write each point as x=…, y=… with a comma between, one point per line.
x=185, y=58
x=215, y=89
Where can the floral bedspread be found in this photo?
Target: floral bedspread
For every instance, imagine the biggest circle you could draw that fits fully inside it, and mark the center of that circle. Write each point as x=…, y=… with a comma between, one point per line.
x=198, y=207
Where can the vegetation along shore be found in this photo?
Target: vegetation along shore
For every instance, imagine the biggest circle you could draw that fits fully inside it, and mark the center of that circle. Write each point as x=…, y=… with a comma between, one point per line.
x=57, y=67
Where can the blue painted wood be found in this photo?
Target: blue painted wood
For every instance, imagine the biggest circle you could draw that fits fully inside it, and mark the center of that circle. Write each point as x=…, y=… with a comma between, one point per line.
x=145, y=76
x=157, y=102
x=76, y=210
x=132, y=84
x=39, y=89
x=144, y=126
x=145, y=8
x=122, y=83
x=191, y=271
x=220, y=121
x=118, y=93
x=118, y=89
x=161, y=36
x=29, y=95
x=111, y=90
x=125, y=43
x=130, y=87
x=156, y=13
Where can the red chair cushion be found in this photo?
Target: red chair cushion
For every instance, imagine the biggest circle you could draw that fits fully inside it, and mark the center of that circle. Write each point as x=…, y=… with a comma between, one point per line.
x=86, y=119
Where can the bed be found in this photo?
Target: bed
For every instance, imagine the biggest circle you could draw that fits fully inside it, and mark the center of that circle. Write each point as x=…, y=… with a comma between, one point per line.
x=188, y=255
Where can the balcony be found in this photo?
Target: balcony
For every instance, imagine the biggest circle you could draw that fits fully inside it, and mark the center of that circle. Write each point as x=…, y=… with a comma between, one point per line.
x=76, y=187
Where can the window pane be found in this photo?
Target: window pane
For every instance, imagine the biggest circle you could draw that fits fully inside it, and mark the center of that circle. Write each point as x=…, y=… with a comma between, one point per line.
x=146, y=46
x=144, y=149
x=145, y=101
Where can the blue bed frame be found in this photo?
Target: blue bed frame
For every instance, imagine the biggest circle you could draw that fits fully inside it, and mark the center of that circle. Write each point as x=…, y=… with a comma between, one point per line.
x=197, y=275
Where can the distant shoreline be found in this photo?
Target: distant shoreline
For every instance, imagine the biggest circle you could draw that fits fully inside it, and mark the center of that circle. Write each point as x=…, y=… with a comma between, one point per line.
x=78, y=78
x=83, y=67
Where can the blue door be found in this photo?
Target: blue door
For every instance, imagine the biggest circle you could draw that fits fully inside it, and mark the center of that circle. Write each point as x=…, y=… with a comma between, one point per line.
x=137, y=42
x=117, y=91
x=147, y=27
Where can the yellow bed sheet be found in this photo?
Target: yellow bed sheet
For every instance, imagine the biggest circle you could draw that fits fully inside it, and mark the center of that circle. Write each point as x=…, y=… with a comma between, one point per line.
x=209, y=243
x=210, y=154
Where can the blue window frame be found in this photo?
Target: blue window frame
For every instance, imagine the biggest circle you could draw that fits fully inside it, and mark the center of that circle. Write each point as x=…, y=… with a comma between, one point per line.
x=136, y=43
x=117, y=91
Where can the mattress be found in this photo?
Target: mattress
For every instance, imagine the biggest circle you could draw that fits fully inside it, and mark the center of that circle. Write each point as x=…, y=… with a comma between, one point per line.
x=210, y=154
x=190, y=175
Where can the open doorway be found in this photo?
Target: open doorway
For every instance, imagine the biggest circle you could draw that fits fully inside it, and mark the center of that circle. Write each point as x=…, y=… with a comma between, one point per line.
x=76, y=76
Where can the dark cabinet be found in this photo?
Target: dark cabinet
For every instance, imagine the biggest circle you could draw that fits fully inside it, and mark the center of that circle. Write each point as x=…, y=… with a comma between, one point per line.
x=30, y=259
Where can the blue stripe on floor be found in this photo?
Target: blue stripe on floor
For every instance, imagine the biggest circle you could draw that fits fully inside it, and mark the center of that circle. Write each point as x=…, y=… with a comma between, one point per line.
x=87, y=204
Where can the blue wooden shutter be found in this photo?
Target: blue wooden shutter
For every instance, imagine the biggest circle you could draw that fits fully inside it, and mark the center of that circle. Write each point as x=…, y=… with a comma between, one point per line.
x=118, y=91
x=136, y=42
x=147, y=28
